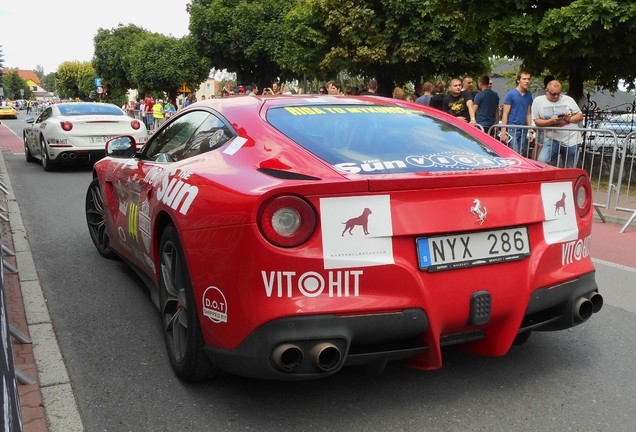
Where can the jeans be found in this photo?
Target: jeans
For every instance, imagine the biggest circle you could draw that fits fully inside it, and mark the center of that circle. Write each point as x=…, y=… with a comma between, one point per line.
x=519, y=140
x=149, y=120
x=550, y=153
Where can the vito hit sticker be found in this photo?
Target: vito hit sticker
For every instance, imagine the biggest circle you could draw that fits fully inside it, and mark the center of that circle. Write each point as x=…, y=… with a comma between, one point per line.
x=560, y=215
x=575, y=250
x=356, y=231
x=289, y=284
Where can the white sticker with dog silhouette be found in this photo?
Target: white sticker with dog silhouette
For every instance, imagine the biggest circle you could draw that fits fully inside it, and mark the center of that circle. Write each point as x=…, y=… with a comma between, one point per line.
x=356, y=231
x=560, y=215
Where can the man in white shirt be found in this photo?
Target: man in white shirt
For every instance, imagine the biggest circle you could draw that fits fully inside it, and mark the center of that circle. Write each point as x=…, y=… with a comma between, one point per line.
x=560, y=113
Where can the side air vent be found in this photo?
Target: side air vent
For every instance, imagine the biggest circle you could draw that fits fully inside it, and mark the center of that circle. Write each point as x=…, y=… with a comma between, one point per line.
x=286, y=175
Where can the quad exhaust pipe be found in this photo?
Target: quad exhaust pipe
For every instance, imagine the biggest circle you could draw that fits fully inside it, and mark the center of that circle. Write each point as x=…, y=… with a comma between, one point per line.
x=288, y=357
x=587, y=305
x=597, y=301
x=324, y=357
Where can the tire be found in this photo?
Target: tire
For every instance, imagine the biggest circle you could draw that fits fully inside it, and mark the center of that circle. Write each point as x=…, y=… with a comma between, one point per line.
x=47, y=164
x=27, y=152
x=179, y=318
x=95, y=220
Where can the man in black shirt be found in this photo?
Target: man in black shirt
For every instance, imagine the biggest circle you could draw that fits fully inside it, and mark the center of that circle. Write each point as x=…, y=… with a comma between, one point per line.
x=459, y=102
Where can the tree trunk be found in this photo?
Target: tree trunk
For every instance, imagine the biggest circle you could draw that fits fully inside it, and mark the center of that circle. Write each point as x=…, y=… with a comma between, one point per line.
x=385, y=81
x=575, y=90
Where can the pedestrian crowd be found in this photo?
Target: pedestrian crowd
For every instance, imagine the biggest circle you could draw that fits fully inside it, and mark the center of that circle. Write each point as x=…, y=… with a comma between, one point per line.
x=556, y=112
x=153, y=112
x=553, y=110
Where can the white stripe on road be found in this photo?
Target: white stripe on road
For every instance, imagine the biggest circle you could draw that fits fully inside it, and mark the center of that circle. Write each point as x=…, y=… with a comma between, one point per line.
x=611, y=264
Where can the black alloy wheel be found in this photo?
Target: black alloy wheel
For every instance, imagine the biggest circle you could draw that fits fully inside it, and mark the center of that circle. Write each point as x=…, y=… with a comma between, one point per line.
x=181, y=328
x=95, y=220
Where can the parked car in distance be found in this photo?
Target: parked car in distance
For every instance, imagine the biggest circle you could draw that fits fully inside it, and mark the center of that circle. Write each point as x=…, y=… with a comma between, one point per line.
x=76, y=132
x=8, y=111
x=286, y=237
x=619, y=135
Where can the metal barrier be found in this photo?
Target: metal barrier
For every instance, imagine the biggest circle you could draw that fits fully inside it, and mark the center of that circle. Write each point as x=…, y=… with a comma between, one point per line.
x=9, y=397
x=626, y=173
x=598, y=153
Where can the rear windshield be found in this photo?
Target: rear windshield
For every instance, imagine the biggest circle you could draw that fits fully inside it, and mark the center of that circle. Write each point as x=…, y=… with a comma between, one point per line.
x=89, y=108
x=381, y=139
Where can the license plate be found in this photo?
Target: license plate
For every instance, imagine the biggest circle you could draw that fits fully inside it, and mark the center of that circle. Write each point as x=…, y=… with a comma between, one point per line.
x=99, y=139
x=448, y=252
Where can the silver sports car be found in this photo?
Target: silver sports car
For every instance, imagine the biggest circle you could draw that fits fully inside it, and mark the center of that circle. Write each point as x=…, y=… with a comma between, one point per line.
x=76, y=132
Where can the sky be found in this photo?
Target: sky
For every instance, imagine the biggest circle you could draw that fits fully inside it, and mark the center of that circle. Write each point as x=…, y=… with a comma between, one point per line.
x=49, y=33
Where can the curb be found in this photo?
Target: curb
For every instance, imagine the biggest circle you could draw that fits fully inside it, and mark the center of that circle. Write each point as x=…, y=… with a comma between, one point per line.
x=58, y=401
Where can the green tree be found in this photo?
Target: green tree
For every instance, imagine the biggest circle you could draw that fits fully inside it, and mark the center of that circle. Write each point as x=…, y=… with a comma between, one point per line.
x=48, y=82
x=131, y=57
x=577, y=41
x=13, y=83
x=243, y=36
x=112, y=54
x=394, y=41
x=160, y=64
x=75, y=79
x=1, y=68
x=39, y=71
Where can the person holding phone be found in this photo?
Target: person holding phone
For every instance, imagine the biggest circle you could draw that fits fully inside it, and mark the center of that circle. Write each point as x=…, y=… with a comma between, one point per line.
x=273, y=90
x=560, y=114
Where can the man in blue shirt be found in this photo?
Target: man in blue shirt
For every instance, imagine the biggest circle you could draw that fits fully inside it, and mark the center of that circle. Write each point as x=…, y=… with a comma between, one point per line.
x=486, y=104
x=516, y=111
x=425, y=99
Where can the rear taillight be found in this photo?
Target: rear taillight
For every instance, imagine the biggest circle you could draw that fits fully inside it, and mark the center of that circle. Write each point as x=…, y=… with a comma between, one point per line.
x=135, y=124
x=287, y=221
x=67, y=125
x=583, y=196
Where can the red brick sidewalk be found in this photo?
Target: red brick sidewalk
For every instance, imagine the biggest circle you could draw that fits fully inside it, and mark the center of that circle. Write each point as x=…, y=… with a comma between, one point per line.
x=33, y=415
x=9, y=142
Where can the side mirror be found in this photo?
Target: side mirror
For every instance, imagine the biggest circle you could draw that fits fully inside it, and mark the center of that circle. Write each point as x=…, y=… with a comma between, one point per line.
x=30, y=120
x=121, y=147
